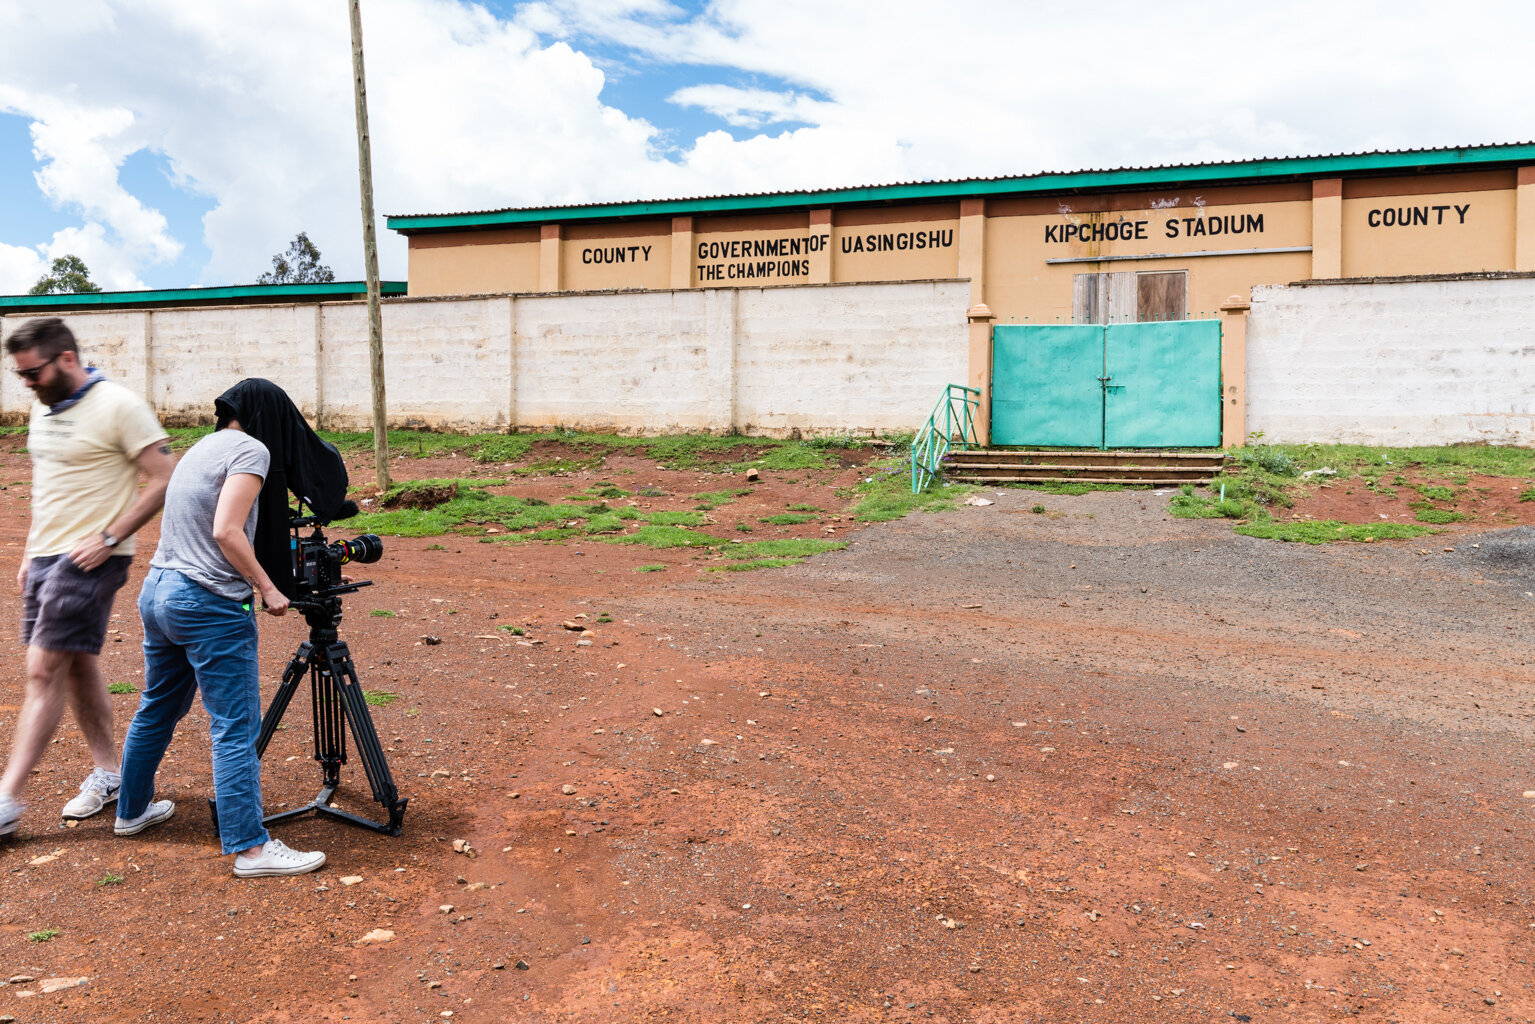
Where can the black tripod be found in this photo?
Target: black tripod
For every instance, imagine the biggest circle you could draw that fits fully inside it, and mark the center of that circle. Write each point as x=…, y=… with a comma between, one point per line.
x=338, y=703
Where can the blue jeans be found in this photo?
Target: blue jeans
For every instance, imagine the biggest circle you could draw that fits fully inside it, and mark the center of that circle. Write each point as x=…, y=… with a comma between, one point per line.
x=195, y=640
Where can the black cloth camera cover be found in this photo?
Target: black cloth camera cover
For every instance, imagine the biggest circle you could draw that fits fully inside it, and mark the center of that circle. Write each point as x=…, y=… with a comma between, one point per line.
x=302, y=463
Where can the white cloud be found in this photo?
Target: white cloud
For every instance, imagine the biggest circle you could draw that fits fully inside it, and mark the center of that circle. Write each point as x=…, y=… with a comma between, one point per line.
x=249, y=103
x=752, y=108
x=20, y=268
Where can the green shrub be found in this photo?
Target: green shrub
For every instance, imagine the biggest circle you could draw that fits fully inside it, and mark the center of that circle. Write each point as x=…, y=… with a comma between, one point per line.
x=1267, y=459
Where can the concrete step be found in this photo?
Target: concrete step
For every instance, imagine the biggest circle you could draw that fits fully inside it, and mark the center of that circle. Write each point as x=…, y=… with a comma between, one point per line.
x=1146, y=468
x=1006, y=479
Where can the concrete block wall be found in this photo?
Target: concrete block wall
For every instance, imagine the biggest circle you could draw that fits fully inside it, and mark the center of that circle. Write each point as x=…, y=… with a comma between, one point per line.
x=816, y=359
x=909, y=342
x=1402, y=362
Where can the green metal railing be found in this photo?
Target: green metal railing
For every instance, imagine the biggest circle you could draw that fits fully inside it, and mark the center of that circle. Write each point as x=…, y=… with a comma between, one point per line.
x=952, y=425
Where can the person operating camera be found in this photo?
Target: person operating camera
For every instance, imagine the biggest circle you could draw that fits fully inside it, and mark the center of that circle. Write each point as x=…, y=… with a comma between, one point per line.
x=197, y=604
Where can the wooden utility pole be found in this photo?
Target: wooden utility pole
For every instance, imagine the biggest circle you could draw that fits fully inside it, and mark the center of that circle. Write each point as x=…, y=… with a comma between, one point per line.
x=370, y=257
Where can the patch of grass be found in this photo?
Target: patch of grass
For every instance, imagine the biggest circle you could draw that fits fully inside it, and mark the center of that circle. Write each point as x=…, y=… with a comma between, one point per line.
x=1038, y=510
x=183, y=438
x=1068, y=487
x=43, y=935
x=743, y=527
x=606, y=522
x=606, y=491
x=668, y=518
x=708, y=501
x=1271, y=460
x=379, y=698
x=603, y=617
x=1453, y=460
x=1188, y=505
x=110, y=878
x=805, y=508
x=1435, y=493
x=788, y=455
x=885, y=493
x=1527, y=495
x=404, y=522
x=787, y=547
x=1328, y=530
x=477, y=507
x=1423, y=512
x=653, y=536
x=549, y=534
x=657, y=567
x=787, y=519
x=756, y=563
x=122, y=688
x=435, y=547
x=381, y=613
x=514, y=630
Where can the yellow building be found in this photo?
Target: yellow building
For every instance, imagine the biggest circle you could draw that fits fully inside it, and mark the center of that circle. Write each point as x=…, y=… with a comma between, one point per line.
x=1131, y=244
x=1084, y=247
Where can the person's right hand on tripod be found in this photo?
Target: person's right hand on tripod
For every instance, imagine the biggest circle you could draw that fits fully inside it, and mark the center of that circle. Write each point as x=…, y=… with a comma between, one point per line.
x=273, y=601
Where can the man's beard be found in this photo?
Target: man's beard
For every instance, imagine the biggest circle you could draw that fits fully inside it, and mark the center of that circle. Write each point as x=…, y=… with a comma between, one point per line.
x=53, y=392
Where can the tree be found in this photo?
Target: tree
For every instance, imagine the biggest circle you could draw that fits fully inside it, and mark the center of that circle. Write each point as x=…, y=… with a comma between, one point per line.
x=69, y=275
x=299, y=265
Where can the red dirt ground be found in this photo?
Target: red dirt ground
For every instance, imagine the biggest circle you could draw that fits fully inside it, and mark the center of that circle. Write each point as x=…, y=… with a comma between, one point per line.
x=984, y=765
x=1484, y=501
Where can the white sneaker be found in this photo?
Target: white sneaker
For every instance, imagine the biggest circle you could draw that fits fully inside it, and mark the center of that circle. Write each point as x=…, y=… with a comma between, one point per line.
x=156, y=812
x=11, y=811
x=98, y=790
x=277, y=859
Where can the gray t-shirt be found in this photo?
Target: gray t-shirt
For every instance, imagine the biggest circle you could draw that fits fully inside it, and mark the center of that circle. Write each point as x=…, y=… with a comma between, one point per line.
x=186, y=527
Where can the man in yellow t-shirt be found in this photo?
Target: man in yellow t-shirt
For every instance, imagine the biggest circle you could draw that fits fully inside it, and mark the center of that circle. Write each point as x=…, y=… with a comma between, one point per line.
x=91, y=440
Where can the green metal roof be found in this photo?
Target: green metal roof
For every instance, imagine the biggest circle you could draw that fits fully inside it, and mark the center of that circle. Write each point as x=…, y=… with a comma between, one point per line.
x=1449, y=159
x=233, y=295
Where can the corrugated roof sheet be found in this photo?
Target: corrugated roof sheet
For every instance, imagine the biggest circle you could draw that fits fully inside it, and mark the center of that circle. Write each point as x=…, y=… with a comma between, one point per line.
x=244, y=294
x=1264, y=166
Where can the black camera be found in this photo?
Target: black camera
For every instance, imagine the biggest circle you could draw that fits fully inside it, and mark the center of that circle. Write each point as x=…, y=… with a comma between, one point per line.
x=317, y=562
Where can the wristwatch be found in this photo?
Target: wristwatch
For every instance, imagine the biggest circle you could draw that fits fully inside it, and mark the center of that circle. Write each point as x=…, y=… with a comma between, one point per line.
x=107, y=539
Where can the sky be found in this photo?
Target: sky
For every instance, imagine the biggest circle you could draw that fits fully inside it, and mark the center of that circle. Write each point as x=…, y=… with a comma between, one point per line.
x=183, y=143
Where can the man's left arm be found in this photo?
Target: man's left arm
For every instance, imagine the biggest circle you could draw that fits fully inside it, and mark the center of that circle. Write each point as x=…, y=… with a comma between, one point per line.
x=156, y=464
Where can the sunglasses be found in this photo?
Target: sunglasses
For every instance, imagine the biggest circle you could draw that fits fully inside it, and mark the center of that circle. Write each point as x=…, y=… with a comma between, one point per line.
x=32, y=373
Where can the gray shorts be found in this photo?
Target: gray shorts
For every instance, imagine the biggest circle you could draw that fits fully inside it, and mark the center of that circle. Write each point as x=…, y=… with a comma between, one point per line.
x=66, y=608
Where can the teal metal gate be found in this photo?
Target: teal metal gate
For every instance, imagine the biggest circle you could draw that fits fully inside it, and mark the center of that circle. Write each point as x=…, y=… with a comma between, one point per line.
x=1146, y=385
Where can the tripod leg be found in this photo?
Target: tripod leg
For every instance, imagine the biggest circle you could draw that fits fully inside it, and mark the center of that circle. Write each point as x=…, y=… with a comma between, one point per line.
x=337, y=660
x=274, y=712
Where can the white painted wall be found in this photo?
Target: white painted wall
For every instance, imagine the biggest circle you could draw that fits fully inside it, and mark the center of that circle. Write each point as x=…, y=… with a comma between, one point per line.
x=1393, y=363
x=818, y=359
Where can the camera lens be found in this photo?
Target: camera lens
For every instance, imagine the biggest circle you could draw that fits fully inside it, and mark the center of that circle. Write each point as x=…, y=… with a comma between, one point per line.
x=366, y=548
